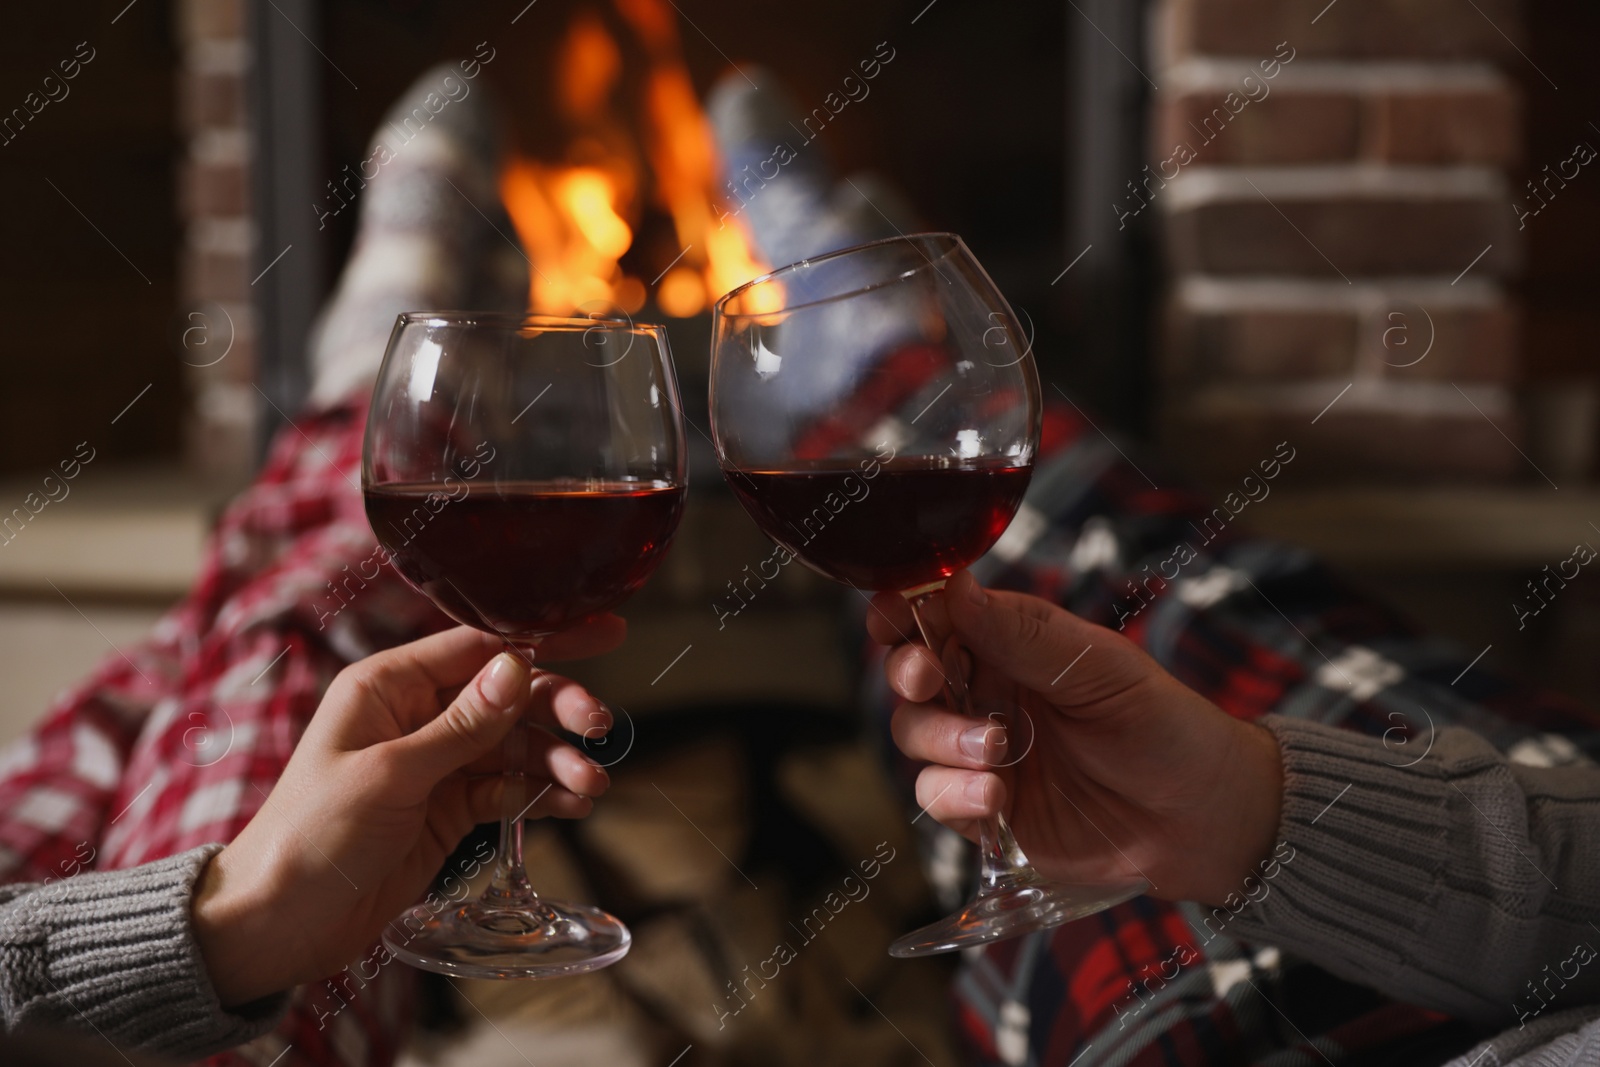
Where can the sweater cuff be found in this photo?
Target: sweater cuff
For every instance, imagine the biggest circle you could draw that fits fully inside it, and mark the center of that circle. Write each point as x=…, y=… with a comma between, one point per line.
x=116, y=951
x=1363, y=847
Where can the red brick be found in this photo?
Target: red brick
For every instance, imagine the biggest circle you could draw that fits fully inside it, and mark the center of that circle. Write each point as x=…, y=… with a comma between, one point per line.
x=1283, y=127
x=214, y=275
x=1444, y=126
x=238, y=366
x=213, y=190
x=1348, y=444
x=1349, y=234
x=1365, y=29
x=211, y=20
x=1241, y=333
x=1259, y=344
x=211, y=99
x=1469, y=344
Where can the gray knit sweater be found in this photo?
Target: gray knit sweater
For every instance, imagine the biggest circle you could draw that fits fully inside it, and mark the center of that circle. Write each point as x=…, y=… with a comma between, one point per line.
x=115, y=952
x=1463, y=883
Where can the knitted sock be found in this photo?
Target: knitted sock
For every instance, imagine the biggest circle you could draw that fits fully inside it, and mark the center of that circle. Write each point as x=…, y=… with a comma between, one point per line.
x=433, y=234
x=778, y=181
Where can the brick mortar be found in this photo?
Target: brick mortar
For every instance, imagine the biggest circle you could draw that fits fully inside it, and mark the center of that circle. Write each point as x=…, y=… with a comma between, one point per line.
x=1366, y=396
x=1210, y=184
x=216, y=58
x=1360, y=77
x=1222, y=293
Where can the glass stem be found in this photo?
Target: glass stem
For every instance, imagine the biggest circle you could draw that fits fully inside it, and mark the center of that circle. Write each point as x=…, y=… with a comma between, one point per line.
x=510, y=886
x=1001, y=859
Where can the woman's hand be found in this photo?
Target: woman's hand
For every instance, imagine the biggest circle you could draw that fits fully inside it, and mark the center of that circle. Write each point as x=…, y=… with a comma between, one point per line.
x=1124, y=773
x=400, y=762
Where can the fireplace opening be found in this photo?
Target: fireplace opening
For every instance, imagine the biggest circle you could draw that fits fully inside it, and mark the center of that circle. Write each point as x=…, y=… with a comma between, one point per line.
x=955, y=119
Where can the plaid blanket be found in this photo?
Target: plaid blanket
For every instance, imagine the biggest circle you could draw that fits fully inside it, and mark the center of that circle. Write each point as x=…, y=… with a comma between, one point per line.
x=1256, y=627
x=175, y=742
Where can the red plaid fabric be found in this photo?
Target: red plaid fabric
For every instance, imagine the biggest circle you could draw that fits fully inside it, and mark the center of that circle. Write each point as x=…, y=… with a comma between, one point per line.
x=1256, y=627
x=177, y=741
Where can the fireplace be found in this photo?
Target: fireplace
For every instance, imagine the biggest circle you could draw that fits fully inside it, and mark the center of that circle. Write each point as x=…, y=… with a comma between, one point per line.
x=1041, y=135
x=967, y=114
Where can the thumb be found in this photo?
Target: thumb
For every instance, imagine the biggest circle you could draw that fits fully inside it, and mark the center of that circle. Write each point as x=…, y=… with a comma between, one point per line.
x=475, y=722
x=1042, y=645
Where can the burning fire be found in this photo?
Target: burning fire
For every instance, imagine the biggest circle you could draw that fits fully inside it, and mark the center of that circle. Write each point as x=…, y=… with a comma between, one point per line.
x=577, y=218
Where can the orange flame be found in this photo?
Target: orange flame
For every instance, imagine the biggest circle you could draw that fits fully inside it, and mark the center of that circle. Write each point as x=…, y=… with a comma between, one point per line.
x=574, y=217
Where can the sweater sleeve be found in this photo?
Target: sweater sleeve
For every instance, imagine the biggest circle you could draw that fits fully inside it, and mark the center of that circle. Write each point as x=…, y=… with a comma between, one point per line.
x=114, y=952
x=1461, y=882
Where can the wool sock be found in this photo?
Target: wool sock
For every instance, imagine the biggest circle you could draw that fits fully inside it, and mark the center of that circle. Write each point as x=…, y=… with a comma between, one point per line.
x=432, y=235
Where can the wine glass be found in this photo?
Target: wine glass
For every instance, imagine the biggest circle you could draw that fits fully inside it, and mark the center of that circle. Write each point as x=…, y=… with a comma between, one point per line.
x=876, y=411
x=525, y=473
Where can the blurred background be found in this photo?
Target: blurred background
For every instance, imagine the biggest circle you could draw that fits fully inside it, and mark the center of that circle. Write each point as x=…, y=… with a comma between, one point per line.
x=1398, y=217
x=1367, y=228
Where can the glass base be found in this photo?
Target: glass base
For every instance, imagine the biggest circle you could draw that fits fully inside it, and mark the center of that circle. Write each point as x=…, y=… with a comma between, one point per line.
x=1011, y=911
x=543, y=939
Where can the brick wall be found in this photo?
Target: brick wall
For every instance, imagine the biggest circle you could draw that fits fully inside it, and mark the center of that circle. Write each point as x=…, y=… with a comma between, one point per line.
x=1336, y=222
x=214, y=205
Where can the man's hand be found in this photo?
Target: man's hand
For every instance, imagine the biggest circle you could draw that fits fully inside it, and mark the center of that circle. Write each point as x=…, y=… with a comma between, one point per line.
x=400, y=762
x=1129, y=774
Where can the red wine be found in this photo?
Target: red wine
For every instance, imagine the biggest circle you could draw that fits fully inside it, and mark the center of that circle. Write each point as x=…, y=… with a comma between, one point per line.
x=914, y=521
x=526, y=558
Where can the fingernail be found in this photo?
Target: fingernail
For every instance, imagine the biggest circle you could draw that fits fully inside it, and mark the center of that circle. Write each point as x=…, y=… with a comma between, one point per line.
x=977, y=790
x=974, y=743
x=904, y=676
x=503, y=684
x=976, y=593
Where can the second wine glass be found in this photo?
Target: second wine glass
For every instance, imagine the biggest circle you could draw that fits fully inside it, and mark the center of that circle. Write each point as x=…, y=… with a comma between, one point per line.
x=876, y=410
x=525, y=473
